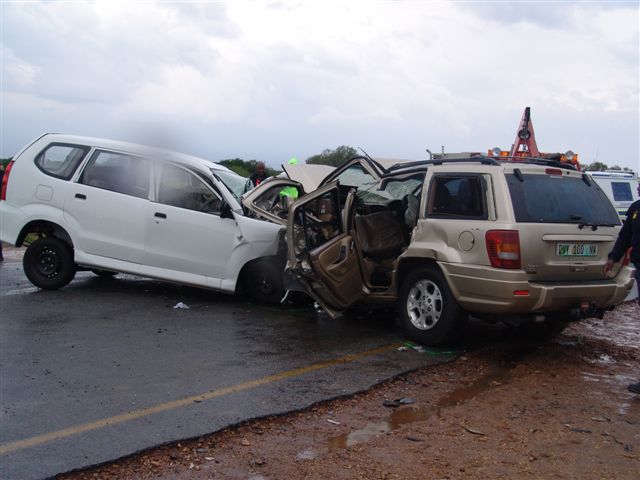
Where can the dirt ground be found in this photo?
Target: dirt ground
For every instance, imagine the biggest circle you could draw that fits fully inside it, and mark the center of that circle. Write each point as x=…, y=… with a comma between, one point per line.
x=511, y=406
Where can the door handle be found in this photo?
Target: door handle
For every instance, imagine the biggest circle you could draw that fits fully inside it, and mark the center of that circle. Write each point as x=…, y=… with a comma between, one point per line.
x=81, y=196
x=160, y=215
x=342, y=255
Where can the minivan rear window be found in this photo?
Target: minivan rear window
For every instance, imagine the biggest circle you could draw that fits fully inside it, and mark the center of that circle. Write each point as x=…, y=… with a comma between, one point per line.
x=559, y=199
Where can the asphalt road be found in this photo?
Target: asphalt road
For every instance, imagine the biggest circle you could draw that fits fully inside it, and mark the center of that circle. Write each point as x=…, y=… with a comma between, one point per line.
x=105, y=368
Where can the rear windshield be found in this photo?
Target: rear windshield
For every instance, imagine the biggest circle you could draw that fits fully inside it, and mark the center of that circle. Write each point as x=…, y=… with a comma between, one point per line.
x=559, y=199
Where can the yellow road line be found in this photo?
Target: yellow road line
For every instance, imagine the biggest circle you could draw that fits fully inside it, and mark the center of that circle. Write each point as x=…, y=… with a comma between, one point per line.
x=143, y=412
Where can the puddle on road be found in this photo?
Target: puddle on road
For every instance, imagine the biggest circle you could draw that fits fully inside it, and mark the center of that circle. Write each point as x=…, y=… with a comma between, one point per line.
x=308, y=454
x=619, y=327
x=616, y=380
x=403, y=416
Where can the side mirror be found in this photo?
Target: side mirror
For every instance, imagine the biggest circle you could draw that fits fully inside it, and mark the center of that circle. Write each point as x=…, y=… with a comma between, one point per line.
x=226, y=211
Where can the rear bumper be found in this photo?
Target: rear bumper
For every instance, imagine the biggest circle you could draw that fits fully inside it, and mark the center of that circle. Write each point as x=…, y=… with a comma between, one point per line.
x=12, y=219
x=490, y=290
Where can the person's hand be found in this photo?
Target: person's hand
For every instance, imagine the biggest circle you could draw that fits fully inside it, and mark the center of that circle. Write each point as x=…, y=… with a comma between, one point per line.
x=607, y=267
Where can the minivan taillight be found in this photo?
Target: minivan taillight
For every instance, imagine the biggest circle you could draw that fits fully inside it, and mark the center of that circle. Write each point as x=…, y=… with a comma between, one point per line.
x=503, y=247
x=5, y=181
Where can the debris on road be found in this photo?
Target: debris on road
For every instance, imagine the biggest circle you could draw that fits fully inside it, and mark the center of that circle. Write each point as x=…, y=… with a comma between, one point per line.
x=333, y=421
x=420, y=349
x=397, y=402
x=181, y=306
x=575, y=429
x=473, y=430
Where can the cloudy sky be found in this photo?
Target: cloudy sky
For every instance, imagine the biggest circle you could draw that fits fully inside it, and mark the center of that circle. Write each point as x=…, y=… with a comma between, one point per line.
x=270, y=80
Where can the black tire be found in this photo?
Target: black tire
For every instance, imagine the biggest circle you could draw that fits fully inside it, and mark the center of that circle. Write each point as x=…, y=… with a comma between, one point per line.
x=429, y=314
x=104, y=273
x=48, y=263
x=263, y=280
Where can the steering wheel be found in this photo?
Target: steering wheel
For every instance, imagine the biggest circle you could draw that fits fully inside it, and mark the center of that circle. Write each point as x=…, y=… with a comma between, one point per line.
x=208, y=202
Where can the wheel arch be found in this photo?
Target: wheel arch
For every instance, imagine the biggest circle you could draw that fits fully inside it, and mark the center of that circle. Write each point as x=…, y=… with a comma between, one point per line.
x=44, y=228
x=407, y=265
x=246, y=268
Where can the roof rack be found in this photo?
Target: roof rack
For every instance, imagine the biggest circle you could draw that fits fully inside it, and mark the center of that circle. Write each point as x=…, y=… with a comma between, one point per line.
x=539, y=161
x=484, y=160
x=477, y=158
x=488, y=160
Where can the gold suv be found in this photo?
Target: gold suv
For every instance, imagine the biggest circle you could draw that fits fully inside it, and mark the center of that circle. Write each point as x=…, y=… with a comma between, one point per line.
x=515, y=241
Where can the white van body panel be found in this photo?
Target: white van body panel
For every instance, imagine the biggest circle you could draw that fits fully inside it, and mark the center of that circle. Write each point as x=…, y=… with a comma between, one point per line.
x=621, y=187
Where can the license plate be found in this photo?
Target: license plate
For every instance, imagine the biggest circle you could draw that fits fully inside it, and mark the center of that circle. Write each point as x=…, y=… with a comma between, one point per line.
x=577, y=250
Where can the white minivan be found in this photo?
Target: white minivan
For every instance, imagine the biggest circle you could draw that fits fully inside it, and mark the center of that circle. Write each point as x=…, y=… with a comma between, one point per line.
x=83, y=203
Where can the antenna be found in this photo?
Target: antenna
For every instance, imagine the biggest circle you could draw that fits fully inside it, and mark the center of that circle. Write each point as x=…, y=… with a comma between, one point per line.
x=366, y=154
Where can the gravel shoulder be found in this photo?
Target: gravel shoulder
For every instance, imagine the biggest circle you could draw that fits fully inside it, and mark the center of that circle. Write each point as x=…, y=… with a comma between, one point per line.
x=512, y=406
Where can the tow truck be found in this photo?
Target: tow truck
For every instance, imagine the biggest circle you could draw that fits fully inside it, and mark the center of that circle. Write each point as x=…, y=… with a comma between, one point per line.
x=525, y=146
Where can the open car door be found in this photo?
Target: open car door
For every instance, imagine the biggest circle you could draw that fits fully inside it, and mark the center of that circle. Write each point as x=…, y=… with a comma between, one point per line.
x=359, y=172
x=272, y=199
x=322, y=258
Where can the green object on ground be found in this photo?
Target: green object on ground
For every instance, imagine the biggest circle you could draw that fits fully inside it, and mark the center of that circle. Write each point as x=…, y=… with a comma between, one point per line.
x=429, y=351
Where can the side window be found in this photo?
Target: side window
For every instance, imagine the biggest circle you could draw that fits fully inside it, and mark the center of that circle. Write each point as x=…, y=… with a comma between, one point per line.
x=316, y=222
x=181, y=188
x=622, y=191
x=452, y=196
x=61, y=160
x=119, y=173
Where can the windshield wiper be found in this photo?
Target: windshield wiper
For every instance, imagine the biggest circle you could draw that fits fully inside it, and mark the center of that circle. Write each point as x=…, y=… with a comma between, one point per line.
x=593, y=226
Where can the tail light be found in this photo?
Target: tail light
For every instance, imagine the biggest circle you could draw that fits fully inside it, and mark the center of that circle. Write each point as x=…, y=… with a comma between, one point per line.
x=503, y=247
x=5, y=181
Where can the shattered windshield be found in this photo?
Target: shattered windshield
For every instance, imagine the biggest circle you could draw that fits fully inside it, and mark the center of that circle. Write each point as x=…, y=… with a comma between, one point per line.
x=357, y=176
x=235, y=183
x=391, y=189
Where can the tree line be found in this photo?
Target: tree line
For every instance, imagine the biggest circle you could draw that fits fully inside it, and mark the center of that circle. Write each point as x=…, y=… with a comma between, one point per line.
x=344, y=153
x=328, y=156
x=601, y=167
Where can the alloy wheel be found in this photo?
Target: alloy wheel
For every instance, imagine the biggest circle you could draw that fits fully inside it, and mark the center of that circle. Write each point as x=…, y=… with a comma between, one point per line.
x=424, y=304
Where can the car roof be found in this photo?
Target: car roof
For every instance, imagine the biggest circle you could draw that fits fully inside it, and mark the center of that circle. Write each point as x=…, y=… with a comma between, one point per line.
x=134, y=148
